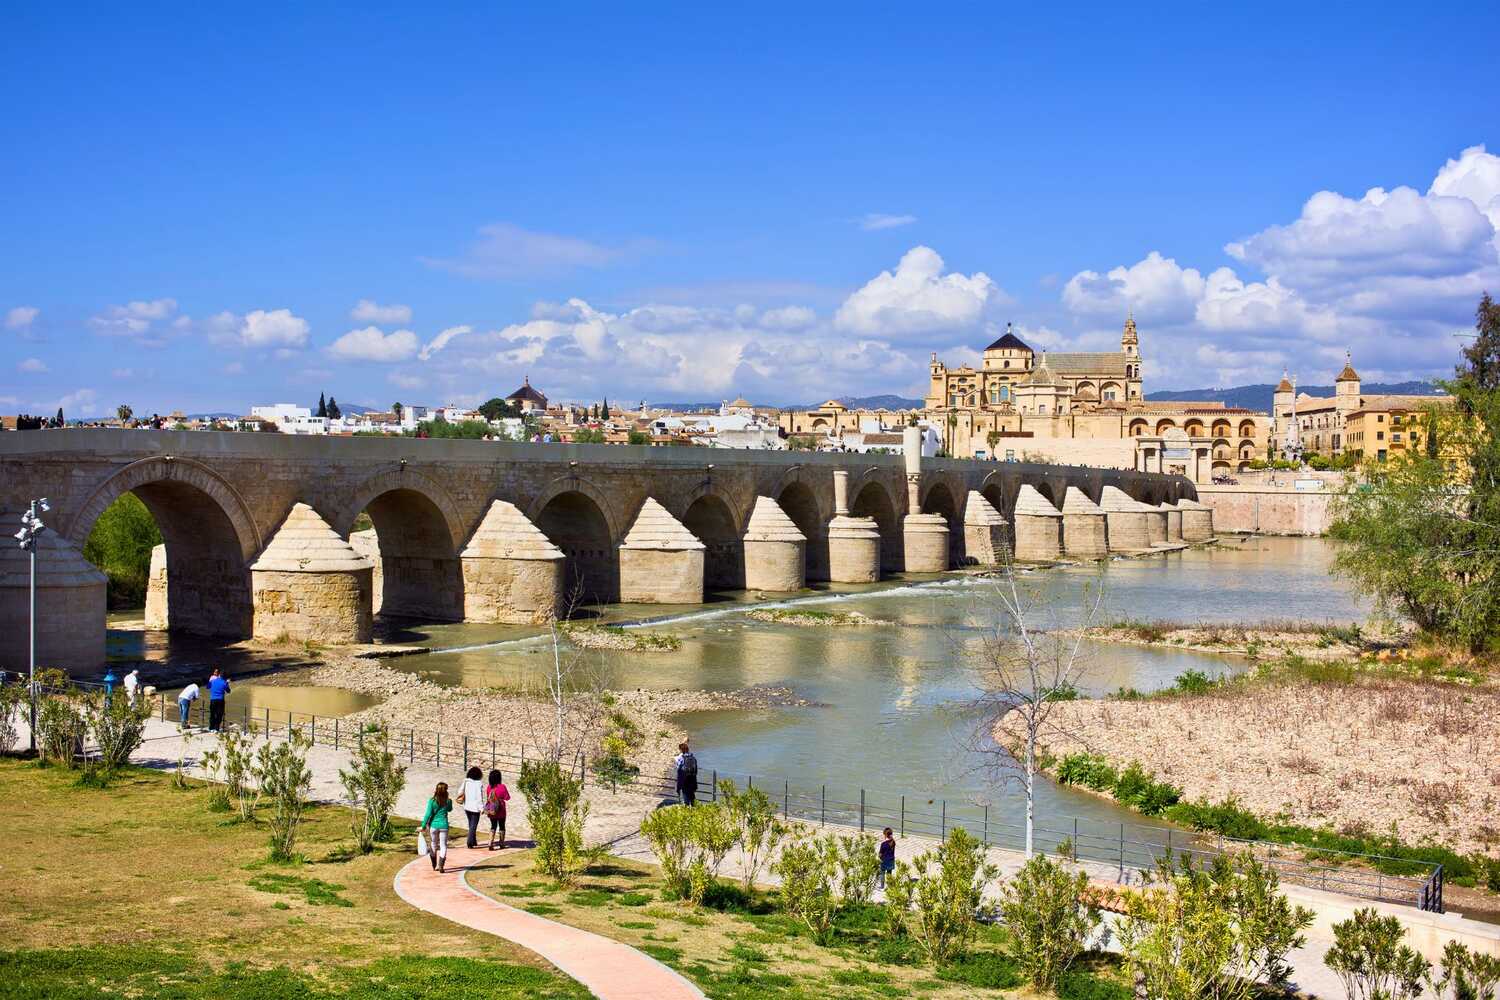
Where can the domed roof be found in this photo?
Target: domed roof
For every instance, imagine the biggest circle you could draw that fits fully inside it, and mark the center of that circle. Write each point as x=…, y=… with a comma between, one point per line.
x=1040, y=375
x=742, y=401
x=1284, y=385
x=1009, y=342
x=832, y=404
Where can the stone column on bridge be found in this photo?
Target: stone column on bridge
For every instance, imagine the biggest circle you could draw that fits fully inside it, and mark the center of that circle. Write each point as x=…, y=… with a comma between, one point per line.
x=1085, y=526
x=1125, y=519
x=367, y=544
x=775, y=550
x=1174, y=521
x=853, y=542
x=661, y=561
x=157, y=618
x=1197, y=520
x=512, y=572
x=70, y=609
x=1038, y=527
x=986, y=533
x=310, y=584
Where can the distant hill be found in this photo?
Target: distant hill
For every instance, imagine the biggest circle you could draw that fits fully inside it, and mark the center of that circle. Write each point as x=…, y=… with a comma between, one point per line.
x=349, y=409
x=1259, y=397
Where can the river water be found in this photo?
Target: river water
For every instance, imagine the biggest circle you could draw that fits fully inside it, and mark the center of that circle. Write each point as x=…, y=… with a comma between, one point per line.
x=895, y=710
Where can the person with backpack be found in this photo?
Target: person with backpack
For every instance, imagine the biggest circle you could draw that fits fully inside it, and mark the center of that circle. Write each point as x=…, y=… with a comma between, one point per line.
x=495, y=797
x=687, y=775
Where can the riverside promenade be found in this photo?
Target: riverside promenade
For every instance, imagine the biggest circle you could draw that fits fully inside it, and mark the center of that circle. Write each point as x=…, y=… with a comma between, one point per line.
x=615, y=818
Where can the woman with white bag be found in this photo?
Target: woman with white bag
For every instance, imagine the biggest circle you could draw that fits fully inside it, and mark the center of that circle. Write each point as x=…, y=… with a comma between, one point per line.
x=435, y=819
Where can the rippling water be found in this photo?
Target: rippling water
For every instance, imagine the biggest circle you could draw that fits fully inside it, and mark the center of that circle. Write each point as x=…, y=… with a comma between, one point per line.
x=895, y=703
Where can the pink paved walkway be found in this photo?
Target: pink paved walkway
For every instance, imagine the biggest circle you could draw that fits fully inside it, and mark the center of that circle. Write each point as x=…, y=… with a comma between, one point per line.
x=610, y=970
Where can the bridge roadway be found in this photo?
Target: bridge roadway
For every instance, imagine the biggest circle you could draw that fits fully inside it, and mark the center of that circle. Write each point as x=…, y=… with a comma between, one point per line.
x=256, y=526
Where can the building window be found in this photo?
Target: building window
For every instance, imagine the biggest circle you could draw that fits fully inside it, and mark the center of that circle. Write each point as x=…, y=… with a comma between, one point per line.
x=1380, y=435
x=1007, y=364
x=1041, y=408
x=1005, y=393
x=1109, y=395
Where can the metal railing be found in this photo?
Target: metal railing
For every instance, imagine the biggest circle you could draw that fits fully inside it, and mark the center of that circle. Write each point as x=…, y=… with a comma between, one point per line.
x=1129, y=850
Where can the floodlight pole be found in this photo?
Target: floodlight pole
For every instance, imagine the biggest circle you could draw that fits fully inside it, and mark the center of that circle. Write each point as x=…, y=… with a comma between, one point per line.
x=31, y=527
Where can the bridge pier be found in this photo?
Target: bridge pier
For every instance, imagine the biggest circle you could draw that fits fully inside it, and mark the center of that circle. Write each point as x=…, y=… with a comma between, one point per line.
x=660, y=560
x=310, y=584
x=512, y=573
x=1156, y=525
x=853, y=542
x=156, y=590
x=1197, y=521
x=986, y=533
x=1125, y=520
x=775, y=551
x=1085, y=526
x=70, y=602
x=1174, y=521
x=1038, y=527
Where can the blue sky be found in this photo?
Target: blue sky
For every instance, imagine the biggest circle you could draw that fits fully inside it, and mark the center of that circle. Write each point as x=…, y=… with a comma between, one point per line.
x=703, y=203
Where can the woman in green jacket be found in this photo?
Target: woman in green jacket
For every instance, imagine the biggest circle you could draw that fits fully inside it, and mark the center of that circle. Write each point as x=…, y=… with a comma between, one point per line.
x=436, y=820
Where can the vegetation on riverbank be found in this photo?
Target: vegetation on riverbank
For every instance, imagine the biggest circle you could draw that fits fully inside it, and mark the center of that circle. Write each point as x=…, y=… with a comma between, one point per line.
x=588, y=635
x=145, y=892
x=807, y=616
x=120, y=545
x=1253, y=639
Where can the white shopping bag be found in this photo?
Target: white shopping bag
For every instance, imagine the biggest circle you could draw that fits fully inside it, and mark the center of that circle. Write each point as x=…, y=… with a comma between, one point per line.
x=421, y=843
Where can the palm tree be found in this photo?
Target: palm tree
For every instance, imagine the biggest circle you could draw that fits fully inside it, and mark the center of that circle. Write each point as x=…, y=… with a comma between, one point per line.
x=123, y=412
x=396, y=409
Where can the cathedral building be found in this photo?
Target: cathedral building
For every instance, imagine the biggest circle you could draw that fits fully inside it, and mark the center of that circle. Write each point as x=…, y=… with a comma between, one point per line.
x=1014, y=376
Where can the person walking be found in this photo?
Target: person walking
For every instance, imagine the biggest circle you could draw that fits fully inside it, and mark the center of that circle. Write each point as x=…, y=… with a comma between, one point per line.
x=687, y=775
x=887, y=856
x=218, y=687
x=185, y=704
x=132, y=686
x=495, y=797
x=472, y=799
x=435, y=821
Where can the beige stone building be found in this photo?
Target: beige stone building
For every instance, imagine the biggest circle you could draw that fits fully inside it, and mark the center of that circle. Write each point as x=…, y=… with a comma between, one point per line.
x=1086, y=408
x=1348, y=422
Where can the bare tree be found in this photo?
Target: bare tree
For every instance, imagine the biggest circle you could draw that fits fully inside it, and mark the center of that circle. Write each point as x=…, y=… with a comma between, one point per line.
x=1023, y=671
x=569, y=701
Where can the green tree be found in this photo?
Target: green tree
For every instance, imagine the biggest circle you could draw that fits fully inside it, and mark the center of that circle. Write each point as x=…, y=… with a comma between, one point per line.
x=1472, y=975
x=396, y=408
x=124, y=412
x=638, y=437
x=807, y=868
x=372, y=783
x=556, y=813
x=285, y=779
x=333, y=409
x=945, y=889
x=588, y=435
x=760, y=831
x=1370, y=955
x=1481, y=362
x=322, y=406
x=120, y=545
x=497, y=408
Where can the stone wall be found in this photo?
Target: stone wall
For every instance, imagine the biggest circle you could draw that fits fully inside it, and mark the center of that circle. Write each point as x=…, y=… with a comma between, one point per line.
x=1268, y=510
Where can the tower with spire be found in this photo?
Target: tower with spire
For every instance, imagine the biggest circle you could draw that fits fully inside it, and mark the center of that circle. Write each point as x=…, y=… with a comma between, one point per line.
x=1130, y=343
x=1346, y=387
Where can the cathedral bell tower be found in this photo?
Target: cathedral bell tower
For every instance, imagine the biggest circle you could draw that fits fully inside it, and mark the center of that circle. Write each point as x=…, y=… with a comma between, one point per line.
x=1130, y=344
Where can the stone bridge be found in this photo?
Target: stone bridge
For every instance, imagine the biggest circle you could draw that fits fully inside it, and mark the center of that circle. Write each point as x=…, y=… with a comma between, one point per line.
x=257, y=526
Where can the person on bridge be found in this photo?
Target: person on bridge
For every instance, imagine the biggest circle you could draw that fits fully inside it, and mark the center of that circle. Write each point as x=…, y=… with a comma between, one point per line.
x=435, y=820
x=218, y=687
x=687, y=774
x=185, y=704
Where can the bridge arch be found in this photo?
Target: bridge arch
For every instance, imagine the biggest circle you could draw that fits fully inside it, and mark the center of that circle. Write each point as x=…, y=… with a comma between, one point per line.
x=713, y=520
x=871, y=499
x=580, y=519
x=939, y=499
x=419, y=536
x=209, y=533
x=810, y=514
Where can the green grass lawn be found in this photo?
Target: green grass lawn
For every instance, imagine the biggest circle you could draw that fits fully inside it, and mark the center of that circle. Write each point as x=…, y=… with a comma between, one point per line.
x=754, y=952
x=139, y=890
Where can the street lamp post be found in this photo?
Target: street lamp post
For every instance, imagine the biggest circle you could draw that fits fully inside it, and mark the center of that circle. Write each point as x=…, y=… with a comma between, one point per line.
x=31, y=527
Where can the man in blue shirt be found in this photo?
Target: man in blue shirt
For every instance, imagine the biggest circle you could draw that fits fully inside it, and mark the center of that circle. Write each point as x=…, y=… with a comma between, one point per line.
x=218, y=687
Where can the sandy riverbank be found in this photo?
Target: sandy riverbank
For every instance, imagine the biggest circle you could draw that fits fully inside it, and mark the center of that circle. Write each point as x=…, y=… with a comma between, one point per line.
x=409, y=701
x=1373, y=753
x=1259, y=641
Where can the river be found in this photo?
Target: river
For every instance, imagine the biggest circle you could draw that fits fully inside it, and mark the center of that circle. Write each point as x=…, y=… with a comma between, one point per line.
x=895, y=704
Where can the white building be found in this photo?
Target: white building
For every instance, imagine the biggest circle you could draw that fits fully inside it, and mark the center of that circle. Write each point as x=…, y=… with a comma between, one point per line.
x=291, y=419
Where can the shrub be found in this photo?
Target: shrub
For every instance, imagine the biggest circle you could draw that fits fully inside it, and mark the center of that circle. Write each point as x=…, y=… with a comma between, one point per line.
x=858, y=864
x=556, y=813
x=60, y=731
x=118, y=728
x=1211, y=931
x=1472, y=975
x=669, y=834
x=1051, y=919
x=373, y=783
x=1371, y=958
x=1194, y=682
x=1089, y=770
x=621, y=738
x=806, y=867
x=759, y=830
x=284, y=777
x=1142, y=791
x=12, y=702
x=947, y=889
x=690, y=843
x=230, y=767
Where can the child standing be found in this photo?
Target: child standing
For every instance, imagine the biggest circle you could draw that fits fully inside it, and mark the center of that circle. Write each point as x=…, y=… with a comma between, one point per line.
x=887, y=855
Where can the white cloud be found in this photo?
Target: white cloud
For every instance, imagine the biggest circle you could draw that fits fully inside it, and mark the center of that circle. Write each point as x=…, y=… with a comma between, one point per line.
x=276, y=328
x=1475, y=175
x=368, y=311
x=370, y=344
x=508, y=252
x=878, y=220
x=788, y=318
x=137, y=319
x=84, y=400
x=441, y=341
x=918, y=298
x=33, y=366
x=21, y=317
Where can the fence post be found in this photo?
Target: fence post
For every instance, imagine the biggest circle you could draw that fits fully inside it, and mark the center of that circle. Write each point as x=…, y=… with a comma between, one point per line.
x=714, y=792
x=986, y=823
x=1075, y=840
x=359, y=738
x=268, y=720
x=335, y=732
x=861, y=810
x=1122, y=853
x=823, y=809
x=439, y=748
x=494, y=762
x=466, y=754
x=412, y=748
x=903, y=815
x=1169, y=843
x=749, y=781
x=315, y=730
x=786, y=799
x=945, y=822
